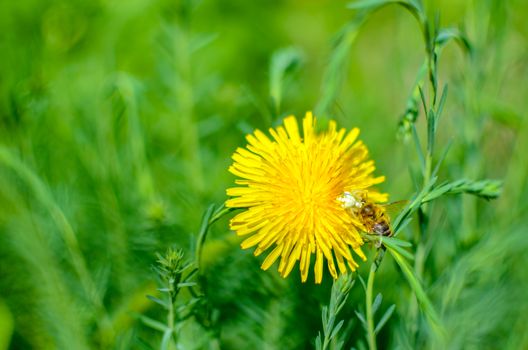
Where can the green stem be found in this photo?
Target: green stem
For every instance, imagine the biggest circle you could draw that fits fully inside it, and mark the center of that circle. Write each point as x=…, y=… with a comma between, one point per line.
x=170, y=316
x=368, y=300
x=210, y=217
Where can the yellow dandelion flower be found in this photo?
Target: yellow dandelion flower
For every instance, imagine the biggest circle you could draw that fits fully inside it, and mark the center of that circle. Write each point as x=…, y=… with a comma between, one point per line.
x=292, y=187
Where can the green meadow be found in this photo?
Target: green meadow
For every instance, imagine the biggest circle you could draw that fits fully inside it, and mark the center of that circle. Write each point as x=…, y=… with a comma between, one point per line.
x=118, y=120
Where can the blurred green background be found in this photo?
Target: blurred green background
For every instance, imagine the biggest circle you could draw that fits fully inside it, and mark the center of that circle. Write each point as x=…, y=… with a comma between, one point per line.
x=117, y=123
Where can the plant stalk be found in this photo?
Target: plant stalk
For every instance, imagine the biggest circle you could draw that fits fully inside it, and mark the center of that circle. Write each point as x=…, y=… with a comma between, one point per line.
x=371, y=336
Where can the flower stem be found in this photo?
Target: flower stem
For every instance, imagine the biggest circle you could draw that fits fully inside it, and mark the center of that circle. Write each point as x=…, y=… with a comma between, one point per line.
x=368, y=300
x=170, y=316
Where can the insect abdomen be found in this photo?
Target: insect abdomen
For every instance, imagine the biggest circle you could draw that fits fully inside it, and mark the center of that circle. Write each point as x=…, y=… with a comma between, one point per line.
x=382, y=228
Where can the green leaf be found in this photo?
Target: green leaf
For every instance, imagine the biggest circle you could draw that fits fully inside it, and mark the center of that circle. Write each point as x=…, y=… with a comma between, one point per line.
x=372, y=5
x=201, y=41
x=397, y=242
x=389, y=242
x=336, y=329
x=204, y=228
x=318, y=342
x=369, y=4
x=487, y=189
x=442, y=157
x=361, y=318
x=324, y=316
x=431, y=131
x=441, y=104
x=384, y=318
x=165, y=341
x=418, y=146
x=402, y=225
x=410, y=115
x=283, y=62
x=158, y=301
x=152, y=323
x=362, y=282
x=447, y=34
x=412, y=206
x=219, y=213
x=377, y=302
x=334, y=74
x=186, y=284
x=421, y=296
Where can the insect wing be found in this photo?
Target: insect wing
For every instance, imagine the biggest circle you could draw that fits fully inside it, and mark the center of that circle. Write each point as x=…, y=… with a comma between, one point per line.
x=393, y=208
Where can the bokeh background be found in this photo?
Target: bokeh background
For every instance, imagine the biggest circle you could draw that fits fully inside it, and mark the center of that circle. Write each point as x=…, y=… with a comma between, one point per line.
x=117, y=123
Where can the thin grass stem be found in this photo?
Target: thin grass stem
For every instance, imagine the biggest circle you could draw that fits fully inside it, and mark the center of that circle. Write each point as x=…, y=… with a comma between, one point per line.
x=371, y=336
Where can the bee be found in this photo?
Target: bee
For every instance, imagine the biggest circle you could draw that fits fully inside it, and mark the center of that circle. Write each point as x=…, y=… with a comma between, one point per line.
x=375, y=219
x=372, y=215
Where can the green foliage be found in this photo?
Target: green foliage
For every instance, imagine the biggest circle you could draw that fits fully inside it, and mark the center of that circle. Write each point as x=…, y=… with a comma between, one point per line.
x=117, y=121
x=338, y=297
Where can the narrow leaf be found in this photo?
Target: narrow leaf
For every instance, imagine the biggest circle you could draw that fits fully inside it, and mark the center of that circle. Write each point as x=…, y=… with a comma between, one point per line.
x=318, y=342
x=282, y=63
x=186, y=284
x=431, y=117
x=398, y=242
x=158, y=301
x=384, y=318
x=418, y=146
x=441, y=104
x=165, y=341
x=361, y=318
x=397, y=248
x=442, y=157
x=421, y=296
x=377, y=302
x=152, y=323
x=369, y=4
x=336, y=329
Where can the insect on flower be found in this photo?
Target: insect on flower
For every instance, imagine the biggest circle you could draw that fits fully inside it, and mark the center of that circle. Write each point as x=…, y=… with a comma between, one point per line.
x=289, y=184
x=373, y=215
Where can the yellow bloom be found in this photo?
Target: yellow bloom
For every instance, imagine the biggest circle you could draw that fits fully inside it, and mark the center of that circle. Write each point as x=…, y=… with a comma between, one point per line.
x=291, y=188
